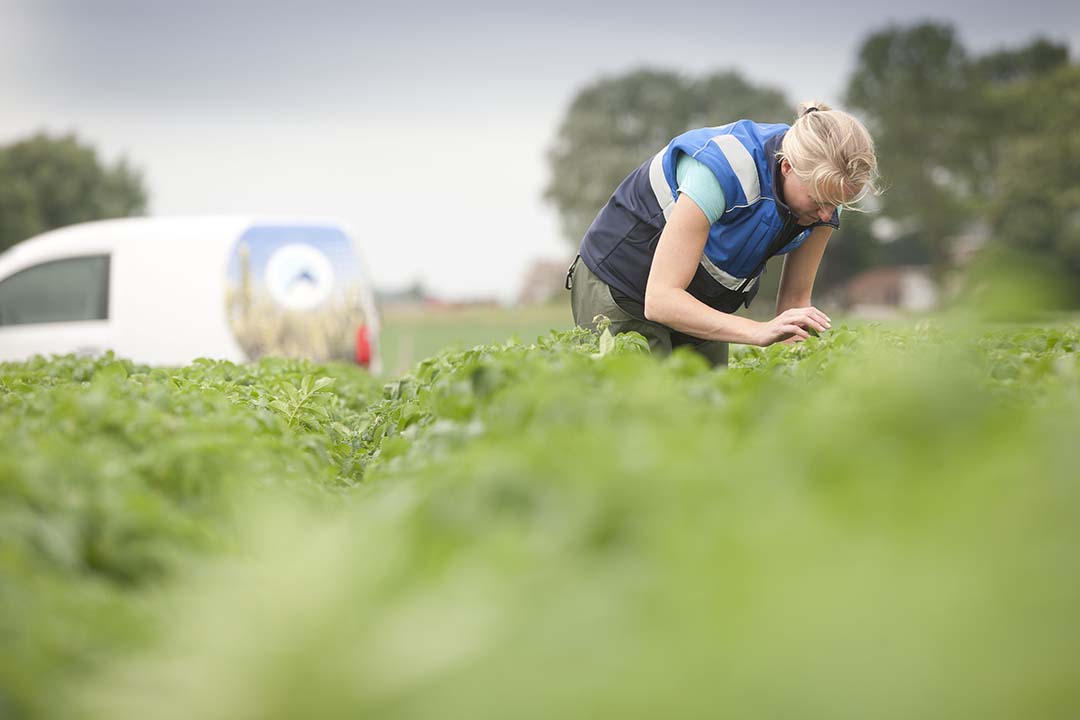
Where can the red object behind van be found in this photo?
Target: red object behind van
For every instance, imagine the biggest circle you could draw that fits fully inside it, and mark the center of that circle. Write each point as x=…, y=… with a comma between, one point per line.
x=363, y=346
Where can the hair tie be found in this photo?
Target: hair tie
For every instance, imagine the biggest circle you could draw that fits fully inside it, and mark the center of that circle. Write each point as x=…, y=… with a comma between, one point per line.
x=810, y=110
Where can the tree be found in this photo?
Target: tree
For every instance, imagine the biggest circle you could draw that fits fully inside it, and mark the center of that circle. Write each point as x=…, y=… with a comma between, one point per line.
x=1035, y=205
x=1035, y=60
x=941, y=121
x=613, y=125
x=997, y=113
x=914, y=85
x=48, y=182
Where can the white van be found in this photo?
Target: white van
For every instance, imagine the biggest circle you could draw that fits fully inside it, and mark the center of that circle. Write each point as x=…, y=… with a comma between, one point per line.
x=165, y=291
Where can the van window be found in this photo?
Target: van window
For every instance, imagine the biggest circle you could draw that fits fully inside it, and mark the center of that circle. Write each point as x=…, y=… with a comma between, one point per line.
x=67, y=290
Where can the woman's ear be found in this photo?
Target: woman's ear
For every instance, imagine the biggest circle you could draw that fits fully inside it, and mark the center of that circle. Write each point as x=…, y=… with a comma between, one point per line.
x=785, y=167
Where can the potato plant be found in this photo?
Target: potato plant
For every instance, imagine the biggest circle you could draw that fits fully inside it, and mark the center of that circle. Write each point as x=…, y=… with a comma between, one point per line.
x=872, y=523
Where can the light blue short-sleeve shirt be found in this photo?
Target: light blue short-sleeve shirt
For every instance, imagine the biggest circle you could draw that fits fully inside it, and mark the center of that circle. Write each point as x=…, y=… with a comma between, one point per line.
x=697, y=182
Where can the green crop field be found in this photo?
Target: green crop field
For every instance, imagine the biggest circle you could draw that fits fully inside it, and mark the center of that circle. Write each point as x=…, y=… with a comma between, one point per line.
x=876, y=523
x=411, y=334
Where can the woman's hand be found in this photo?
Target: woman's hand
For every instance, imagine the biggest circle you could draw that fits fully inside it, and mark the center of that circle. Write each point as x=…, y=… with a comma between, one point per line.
x=792, y=324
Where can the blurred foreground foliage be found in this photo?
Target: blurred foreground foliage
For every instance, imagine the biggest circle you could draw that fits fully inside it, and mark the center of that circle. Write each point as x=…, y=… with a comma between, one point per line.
x=874, y=523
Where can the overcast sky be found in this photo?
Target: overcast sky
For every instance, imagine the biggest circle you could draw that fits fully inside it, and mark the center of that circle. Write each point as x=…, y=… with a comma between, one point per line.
x=422, y=124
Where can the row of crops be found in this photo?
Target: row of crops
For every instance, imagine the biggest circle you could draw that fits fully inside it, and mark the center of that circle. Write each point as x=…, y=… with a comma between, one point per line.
x=874, y=523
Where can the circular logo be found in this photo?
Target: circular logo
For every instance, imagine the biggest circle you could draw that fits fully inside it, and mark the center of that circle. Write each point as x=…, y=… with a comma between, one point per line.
x=299, y=277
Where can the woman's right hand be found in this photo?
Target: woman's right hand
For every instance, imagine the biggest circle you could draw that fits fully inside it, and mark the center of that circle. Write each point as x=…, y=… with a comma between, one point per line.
x=792, y=324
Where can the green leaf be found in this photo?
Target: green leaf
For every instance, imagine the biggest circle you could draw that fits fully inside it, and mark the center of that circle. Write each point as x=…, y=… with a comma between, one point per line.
x=607, y=342
x=280, y=406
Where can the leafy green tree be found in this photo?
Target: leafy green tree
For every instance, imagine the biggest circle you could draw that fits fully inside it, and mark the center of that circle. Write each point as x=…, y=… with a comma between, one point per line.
x=613, y=125
x=943, y=121
x=995, y=114
x=1035, y=205
x=48, y=182
x=1034, y=60
x=914, y=87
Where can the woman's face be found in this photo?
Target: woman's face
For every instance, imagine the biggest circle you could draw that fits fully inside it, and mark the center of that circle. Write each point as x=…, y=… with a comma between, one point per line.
x=801, y=200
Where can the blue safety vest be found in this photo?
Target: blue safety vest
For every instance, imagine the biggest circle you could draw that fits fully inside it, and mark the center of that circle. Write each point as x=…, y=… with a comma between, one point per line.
x=755, y=226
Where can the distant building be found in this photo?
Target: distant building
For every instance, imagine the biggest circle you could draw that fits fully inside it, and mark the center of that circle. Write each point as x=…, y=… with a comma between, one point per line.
x=544, y=282
x=411, y=295
x=964, y=246
x=886, y=291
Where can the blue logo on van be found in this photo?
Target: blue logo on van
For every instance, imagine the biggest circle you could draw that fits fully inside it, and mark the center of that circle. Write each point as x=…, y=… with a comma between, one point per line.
x=295, y=291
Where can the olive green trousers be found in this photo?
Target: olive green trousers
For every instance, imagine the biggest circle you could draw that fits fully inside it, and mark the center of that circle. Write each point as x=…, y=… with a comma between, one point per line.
x=590, y=296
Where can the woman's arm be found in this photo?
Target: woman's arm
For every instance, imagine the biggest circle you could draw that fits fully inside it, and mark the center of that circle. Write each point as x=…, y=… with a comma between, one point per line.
x=800, y=269
x=678, y=254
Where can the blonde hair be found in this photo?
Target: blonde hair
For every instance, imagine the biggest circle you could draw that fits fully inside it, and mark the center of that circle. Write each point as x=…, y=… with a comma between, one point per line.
x=832, y=153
